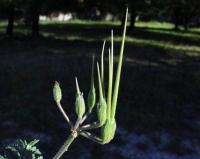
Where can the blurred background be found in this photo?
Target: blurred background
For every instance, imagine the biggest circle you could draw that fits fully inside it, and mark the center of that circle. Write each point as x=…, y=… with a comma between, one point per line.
x=158, y=113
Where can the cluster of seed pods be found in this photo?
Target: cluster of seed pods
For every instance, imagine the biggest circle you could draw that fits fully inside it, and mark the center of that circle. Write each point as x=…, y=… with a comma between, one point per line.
x=106, y=105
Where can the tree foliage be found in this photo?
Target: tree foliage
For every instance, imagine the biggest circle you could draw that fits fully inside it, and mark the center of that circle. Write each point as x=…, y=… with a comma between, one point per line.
x=183, y=13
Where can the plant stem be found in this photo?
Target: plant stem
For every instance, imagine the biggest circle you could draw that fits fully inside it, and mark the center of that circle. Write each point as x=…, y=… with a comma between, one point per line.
x=64, y=147
x=77, y=123
x=91, y=137
x=94, y=125
x=64, y=114
x=85, y=116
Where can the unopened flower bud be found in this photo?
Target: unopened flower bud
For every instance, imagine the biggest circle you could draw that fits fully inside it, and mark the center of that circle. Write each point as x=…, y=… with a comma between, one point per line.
x=80, y=105
x=101, y=111
x=57, y=93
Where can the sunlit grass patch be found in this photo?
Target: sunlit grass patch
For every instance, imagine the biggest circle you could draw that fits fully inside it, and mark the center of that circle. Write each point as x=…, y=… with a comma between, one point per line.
x=182, y=48
x=197, y=30
x=81, y=22
x=189, y=35
x=147, y=34
x=154, y=24
x=3, y=23
x=2, y=26
x=140, y=62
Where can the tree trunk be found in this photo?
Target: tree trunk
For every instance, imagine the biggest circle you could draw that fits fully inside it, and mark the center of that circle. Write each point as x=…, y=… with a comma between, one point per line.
x=9, y=29
x=176, y=24
x=35, y=24
x=132, y=20
x=35, y=5
x=123, y=21
x=186, y=25
x=176, y=14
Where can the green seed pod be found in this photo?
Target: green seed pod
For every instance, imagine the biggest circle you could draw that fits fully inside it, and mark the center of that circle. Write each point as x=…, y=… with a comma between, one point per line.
x=108, y=131
x=57, y=93
x=80, y=105
x=112, y=135
x=101, y=111
x=91, y=100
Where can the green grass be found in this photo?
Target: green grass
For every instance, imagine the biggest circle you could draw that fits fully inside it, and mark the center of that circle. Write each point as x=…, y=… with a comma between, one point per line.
x=80, y=22
x=154, y=24
x=2, y=26
x=84, y=30
x=154, y=28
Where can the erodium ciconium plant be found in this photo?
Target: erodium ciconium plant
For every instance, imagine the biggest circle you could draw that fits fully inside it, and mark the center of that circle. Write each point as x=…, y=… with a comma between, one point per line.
x=106, y=105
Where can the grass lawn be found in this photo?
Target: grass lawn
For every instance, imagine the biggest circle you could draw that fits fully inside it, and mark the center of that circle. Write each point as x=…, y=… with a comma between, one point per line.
x=159, y=87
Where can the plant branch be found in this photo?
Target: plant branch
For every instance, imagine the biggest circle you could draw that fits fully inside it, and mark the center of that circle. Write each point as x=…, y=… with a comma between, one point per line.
x=64, y=147
x=94, y=125
x=64, y=114
x=91, y=137
x=85, y=116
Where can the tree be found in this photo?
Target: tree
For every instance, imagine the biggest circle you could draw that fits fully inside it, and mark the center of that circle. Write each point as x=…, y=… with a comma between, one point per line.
x=8, y=9
x=38, y=7
x=180, y=12
x=34, y=7
x=137, y=7
x=11, y=16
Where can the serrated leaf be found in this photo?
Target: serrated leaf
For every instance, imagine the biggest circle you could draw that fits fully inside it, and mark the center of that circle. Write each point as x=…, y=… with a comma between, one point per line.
x=34, y=142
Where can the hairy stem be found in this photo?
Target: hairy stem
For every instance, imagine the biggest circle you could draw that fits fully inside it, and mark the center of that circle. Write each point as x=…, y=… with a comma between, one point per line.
x=64, y=147
x=91, y=137
x=85, y=116
x=94, y=125
x=64, y=114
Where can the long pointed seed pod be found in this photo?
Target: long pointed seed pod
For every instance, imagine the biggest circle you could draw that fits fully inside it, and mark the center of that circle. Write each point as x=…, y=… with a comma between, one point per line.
x=101, y=106
x=79, y=103
x=110, y=78
x=117, y=80
x=102, y=66
x=57, y=93
x=91, y=100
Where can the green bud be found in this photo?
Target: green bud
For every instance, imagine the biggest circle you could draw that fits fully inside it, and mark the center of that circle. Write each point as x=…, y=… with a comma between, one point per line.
x=80, y=105
x=91, y=99
x=108, y=131
x=101, y=111
x=57, y=93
